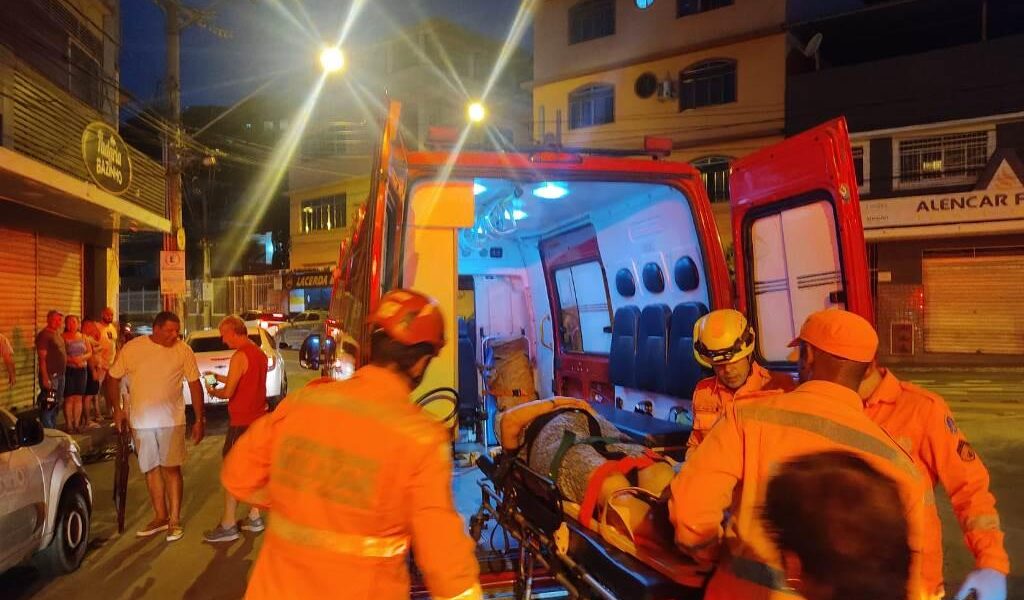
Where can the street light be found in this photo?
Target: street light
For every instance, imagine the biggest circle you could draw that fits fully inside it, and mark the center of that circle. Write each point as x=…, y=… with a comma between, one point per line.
x=331, y=59
x=476, y=112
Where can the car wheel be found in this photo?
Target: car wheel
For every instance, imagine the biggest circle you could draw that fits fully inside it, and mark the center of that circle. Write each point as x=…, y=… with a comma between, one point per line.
x=70, y=537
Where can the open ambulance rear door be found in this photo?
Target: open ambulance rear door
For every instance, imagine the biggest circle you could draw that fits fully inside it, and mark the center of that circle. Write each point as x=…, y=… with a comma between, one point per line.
x=798, y=236
x=370, y=265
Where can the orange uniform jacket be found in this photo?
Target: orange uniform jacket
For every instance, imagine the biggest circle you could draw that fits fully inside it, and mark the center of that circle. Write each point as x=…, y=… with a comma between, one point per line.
x=922, y=423
x=711, y=398
x=353, y=474
x=731, y=468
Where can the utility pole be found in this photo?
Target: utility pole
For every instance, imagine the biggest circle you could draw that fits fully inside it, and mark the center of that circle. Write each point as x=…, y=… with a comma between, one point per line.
x=174, y=26
x=175, y=240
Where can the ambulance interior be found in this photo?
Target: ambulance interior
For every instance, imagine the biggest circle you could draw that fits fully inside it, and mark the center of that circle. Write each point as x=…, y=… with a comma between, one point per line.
x=602, y=281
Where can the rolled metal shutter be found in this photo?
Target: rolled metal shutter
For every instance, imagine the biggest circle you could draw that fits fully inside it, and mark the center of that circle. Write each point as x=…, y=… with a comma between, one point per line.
x=59, y=280
x=972, y=303
x=18, y=314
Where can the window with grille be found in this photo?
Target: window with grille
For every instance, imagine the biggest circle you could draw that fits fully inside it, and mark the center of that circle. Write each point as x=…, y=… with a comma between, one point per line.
x=591, y=19
x=862, y=166
x=591, y=105
x=714, y=170
x=947, y=159
x=708, y=83
x=692, y=7
x=323, y=214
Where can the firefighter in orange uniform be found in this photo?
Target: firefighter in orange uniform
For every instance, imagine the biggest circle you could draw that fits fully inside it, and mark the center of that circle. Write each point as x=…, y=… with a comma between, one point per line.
x=724, y=342
x=730, y=470
x=922, y=423
x=355, y=475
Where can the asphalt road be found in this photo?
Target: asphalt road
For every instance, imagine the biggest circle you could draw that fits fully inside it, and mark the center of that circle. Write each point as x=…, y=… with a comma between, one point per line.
x=120, y=567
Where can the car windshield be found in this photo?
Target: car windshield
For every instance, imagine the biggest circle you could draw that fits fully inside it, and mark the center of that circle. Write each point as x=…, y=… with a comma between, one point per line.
x=215, y=344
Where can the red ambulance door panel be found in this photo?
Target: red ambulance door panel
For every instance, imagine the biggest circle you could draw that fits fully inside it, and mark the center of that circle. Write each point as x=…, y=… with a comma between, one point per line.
x=581, y=314
x=369, y=265
x=798, y=235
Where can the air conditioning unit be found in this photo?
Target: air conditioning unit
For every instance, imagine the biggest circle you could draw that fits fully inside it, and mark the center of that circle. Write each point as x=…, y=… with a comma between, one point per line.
x=666, y=89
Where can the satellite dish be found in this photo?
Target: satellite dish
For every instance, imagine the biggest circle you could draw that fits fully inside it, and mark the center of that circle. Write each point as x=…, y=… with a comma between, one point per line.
x=813, y=45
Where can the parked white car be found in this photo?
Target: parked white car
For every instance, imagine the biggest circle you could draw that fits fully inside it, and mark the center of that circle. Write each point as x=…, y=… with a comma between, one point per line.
x=45, y=497
x=213, y=355
x=293, y=333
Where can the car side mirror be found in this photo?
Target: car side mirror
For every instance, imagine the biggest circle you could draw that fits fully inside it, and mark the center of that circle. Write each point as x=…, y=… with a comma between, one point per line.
x=28, y=431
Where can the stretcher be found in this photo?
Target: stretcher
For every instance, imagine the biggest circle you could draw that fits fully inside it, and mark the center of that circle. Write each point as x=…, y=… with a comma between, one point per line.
x=592, y=561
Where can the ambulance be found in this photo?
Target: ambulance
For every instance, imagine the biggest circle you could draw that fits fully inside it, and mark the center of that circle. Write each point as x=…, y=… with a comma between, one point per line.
x=598, y=264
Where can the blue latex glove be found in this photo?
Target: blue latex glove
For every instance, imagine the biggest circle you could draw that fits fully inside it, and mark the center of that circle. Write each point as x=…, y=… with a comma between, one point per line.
x=989, y=583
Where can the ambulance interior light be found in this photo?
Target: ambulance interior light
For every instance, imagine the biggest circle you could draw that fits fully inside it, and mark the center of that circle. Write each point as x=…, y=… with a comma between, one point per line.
x=551, y=190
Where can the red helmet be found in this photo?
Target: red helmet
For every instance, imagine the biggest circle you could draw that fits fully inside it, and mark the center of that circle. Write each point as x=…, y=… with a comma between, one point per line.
x=410, y=318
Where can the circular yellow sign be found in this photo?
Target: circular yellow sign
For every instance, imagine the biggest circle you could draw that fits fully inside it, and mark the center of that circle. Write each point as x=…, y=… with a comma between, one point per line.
x=106, y=157
x=180, y=238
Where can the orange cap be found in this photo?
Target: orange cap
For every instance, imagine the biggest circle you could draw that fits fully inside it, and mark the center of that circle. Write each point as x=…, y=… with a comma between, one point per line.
x=841, y=333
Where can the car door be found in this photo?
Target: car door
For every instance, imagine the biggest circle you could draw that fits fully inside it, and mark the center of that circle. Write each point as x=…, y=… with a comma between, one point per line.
x=22, y=497
x=798, y=234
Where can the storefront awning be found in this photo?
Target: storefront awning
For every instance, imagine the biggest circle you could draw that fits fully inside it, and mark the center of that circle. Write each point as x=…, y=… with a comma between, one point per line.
x=31, y=183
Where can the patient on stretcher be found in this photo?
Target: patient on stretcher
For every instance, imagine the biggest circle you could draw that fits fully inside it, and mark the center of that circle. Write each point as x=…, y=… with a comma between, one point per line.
x=591, y=462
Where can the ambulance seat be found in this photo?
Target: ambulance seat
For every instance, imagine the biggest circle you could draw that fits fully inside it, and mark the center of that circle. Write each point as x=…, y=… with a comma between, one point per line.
x=622, y=358
x=652, y=349
x=684, y=370
x=469, y=393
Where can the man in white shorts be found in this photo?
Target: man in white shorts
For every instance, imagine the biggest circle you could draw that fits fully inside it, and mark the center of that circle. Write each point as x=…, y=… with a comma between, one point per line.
x=155, y=366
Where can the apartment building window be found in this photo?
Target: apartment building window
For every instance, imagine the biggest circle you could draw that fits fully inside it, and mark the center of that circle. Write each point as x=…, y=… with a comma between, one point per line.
x=862, y=165
x=707, y=83
x=591, y=19
x=323, y=214
x=945, y=159
x=714, y=170
x=592, y=105
x=692, y=7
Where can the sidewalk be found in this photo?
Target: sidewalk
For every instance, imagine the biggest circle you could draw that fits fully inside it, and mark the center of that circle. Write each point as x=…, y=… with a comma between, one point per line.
x=94, y=443
x=976, y=385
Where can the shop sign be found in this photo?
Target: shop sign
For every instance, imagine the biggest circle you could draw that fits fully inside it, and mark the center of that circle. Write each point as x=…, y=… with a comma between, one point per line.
x=1001, y=198
x=106, y=158
x=307, y=279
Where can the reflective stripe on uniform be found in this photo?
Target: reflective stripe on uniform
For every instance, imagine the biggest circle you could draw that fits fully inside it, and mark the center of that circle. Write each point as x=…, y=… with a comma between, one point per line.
x=832, y=430
x=405, y=424
x=473, y=593
x=983, y=523
x=760, y=574
x=337, y=542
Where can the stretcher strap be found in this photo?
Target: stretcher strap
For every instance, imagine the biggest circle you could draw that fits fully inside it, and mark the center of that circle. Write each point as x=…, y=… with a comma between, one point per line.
x=621, y=466
x=569, y=439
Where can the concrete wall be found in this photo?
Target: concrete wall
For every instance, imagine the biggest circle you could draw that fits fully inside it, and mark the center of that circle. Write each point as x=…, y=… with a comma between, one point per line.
x=320, y=248
x=642, y=35
x=758, y=111
x=954, y=83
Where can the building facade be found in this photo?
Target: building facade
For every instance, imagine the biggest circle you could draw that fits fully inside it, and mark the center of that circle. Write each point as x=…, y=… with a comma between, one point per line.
x=709, y=74
x=68, y=183
x=434, y=69
x=935, y=113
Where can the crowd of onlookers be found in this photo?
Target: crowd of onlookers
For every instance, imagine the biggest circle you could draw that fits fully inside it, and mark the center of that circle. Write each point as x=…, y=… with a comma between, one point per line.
x=74, y=357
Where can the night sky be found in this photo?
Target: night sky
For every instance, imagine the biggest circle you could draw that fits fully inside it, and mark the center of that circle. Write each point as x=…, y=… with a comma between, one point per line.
x=221, y=71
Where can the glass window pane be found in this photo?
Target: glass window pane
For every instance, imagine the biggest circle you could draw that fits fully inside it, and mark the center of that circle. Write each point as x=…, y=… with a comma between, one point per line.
x=789, y=282
x=592, y=302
